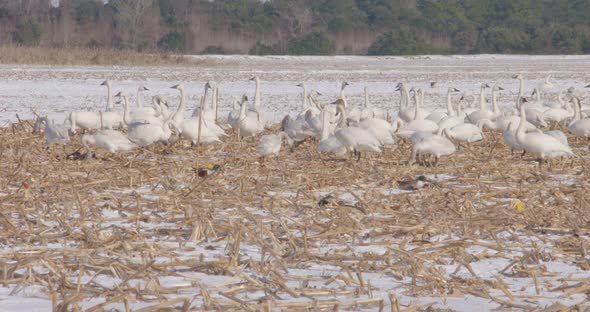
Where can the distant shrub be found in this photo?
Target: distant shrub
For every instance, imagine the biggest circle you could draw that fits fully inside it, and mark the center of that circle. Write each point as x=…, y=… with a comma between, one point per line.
x=213, y=50
x=87, y=11
x=315, y=43
x=399, y=42
x=172, y=41
x=28, y=32
x=262, y=49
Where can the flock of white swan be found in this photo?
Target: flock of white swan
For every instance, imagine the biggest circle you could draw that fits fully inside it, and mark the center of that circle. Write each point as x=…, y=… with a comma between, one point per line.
x=338, y=128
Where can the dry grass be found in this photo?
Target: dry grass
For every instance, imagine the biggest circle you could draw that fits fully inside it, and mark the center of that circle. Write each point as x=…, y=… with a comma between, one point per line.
x=142, y=217
x=87, y=56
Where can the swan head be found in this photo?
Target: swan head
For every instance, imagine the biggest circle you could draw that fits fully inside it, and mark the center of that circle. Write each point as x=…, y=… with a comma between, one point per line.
x=121, y=94
x=344, y=84
x=255, y=78
x=244, y=98
x=142, y=88
x=399, y=86
x=497, y=88
x=300, y=85
x=588, y=86
x=485, y=85
x=177, y=87
x=451, y=89
x=207, y=85
x=106, y=83
x=433, y=84
x=518, y=76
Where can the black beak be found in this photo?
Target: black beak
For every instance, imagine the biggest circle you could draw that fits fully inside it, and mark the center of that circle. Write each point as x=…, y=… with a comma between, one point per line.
x=145, y=89
x=500, y=88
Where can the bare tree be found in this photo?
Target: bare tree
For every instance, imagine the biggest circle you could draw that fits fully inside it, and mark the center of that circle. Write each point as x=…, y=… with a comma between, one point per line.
x=131, y=16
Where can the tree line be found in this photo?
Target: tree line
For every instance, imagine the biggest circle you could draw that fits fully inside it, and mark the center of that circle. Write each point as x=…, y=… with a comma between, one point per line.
x=302, y=27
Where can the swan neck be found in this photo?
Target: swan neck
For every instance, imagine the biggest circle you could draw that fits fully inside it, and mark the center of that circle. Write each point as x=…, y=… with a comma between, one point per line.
x=257, y=96
x=520, y=130
x=110, y=105
x=126, y=117
x=482, y=98
x=180, y=109
x=367, y=104
x=325, y=130
x=450, y=111
x=138, y=100
x=495, y=107
x=305, y=95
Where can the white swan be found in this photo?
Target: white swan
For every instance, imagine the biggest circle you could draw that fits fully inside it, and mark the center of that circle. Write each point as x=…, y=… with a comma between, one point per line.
x=539, y=144
x=111, y=140
x=369, y=111
x=470, y=108
x=381, y=129
x=438, y=116
x=509, y=136
x=297, y=129
x=328, y=142
x=424, y=143
x=55, y=134
x=464, y=132
x=559, y=112
x=249, y=124
x=405, y=112
x=144, y=133
x=270, y=144
x=356, y=139
x=233, y=117
x=501, y=123
x=92, y=120
x=534, y=112
x=578, y=126
x=483, y=112
x=258, y=111
x=422, y=125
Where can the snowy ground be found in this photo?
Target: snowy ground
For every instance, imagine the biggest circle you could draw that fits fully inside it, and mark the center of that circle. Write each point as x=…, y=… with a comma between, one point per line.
x=428, y=248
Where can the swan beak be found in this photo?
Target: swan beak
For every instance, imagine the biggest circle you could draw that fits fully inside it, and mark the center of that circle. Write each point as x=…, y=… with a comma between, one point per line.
x=462, y=98
x=317, y=93
x=253, y=78
x=486, y=85
x=145, y=89
x=398, y=88
x=515, y=77
x=500, y=88
x=456, y=90
x=104, y=83
x=588, y=86
x=175, y=86
x=119, y=94
x=299, y=85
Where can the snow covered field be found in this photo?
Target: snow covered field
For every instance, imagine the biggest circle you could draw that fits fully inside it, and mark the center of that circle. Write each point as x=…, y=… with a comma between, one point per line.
x=143, y=231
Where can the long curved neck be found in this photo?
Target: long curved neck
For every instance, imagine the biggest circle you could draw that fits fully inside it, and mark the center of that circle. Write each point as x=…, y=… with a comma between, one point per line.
x=110, y=106
x=215, y=98
x=343, y=97
x=178, y=114
x=101, y=121
x=342, y=111
x=126, y=117
x=257, y=95
x=325, y=129
x=450, y=110
x=404, y=98
x=367, y=104
x=520, y=92
x=305, y=95
x=138, y=100
x=577, y=113
x=482, y=98
x=243, y=110
x=521, y=125
x=495, y=107
x=417, y=106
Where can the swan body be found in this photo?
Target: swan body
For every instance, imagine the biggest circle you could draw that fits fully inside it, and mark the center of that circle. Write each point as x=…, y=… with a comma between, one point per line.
x=328, y=142
x=110, y=140
x=55, y=134
x=371, y=112
x=91, y=120
x=438, y=116
x=234, y=115
x=465, y=132
x=578, y=126
x=539, y=144
x=355, y=138
x=559, y=135
x=249, y=124
x=509, y=136
x=431, y=144
x=297, y=129
x=270, y=144
x=502, y=123
x=145, y=134
x=381, y=129
x=258, y=112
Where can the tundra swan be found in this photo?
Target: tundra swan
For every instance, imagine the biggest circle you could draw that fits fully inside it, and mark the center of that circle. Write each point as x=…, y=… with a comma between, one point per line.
x=258, y=111
x=91, y=120
x=356, y=139
x=111, y=140
x=501, y=123
x=328, y=142
x=539, y=144
x=233, y=117
x=578, y=126
x=557, y=113
x=431, y=144
x=55, y=134
x=438, y=116
x=509, y=136
x=417, y=124
x=270, y=144
x=249, y=124
x=369, y=111
x=381, y=129
x=464, y=132
x=483, y=112
x=142, y=132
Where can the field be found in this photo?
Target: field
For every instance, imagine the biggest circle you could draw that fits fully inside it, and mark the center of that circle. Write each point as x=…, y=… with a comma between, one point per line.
x=142, y=231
